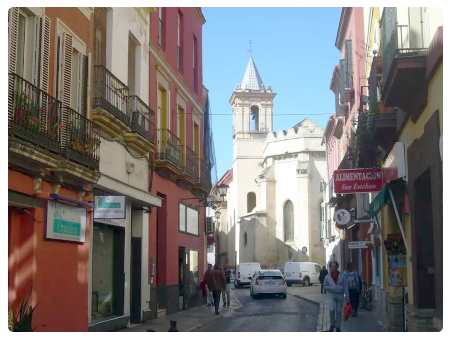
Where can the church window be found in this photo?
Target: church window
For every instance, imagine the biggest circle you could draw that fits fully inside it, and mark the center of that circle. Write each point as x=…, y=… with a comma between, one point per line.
x=254, y=118
x=251, y=201
x=288, y=221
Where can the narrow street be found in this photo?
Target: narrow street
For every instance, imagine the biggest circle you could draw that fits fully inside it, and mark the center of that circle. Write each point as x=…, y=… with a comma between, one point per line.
x=266, y=314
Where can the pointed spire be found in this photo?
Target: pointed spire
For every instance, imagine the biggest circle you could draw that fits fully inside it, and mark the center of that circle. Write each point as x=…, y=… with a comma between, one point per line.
x=251, y=80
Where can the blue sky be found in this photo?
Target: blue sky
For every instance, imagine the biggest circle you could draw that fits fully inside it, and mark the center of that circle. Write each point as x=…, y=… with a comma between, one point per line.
x=294, y=51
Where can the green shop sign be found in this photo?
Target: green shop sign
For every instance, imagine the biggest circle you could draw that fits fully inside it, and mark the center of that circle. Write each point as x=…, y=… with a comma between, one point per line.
x=66, y=222
x=109, y=207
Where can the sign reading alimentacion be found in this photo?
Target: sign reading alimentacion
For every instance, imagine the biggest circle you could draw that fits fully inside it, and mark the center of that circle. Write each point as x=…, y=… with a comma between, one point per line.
x=360, y=180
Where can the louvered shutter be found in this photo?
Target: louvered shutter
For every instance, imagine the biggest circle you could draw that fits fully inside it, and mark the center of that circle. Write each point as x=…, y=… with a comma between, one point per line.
x=43, y=69
x=84, y=84
x=66, y=69
x=66, y=87
x=45, y=53
x=13, y=23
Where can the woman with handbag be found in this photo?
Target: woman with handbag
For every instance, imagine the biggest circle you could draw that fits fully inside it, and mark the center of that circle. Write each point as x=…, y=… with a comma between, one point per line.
x=336, y=290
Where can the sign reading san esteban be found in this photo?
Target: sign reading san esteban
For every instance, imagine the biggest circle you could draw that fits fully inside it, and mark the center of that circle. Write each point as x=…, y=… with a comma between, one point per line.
x=360, y=180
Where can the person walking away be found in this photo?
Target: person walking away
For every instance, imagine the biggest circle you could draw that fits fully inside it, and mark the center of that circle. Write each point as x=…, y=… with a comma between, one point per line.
x=227, y=292
x=354, y=285
x=217, y=285
x=322, y=276
x=335, y=287
x=207, y=280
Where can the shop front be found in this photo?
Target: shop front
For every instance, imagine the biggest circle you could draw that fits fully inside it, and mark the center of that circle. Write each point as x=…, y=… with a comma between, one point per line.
x=119, y=269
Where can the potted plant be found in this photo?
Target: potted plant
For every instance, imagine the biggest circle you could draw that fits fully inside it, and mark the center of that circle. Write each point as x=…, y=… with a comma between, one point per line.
x=21, y=321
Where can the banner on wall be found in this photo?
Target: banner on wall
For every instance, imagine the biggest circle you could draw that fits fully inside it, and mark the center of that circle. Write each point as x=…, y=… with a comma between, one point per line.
x=109, y=207
x=65, y=222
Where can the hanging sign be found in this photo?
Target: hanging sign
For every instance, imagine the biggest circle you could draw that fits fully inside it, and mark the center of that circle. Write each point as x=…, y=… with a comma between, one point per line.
x=350, y=181
x=342, y=216
x=65, y=222
x=109, y=207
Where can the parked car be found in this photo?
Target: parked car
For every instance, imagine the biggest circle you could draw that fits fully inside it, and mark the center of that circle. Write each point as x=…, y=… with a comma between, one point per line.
x=268, y=282
x=244, y=273
x=305, y=273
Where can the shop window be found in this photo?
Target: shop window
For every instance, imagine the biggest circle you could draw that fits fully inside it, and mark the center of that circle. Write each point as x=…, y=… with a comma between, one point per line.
x=107, y=271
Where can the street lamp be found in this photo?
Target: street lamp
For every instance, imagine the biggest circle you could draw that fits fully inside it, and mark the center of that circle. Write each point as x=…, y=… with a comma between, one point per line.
x=222, y=189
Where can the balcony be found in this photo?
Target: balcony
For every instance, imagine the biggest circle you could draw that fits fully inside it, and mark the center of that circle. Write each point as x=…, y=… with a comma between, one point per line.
x=46, y=136
x=169, y=155
x=204, y=185
x=403, y=62
x=386, y=126
x=191, y=165
x=141, y=135
x=110, y=102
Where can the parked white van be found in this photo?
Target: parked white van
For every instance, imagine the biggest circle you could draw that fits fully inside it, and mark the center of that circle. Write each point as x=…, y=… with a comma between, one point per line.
x=305, y=273
x=245, y=272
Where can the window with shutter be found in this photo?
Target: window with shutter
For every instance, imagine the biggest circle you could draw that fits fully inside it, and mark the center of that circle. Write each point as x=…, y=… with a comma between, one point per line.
x=66, y=69
x=44, y=52
x=13, y=23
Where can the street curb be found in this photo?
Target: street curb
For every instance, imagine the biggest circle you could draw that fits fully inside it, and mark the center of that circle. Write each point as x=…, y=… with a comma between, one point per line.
x=321, y=317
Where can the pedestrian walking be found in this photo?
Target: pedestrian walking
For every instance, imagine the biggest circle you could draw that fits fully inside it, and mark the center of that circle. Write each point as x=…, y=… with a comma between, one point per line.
x=207, y=279
x=227, y=292
x=337, y=293
x=216, y=283
x=354, y=285
x=322, y=276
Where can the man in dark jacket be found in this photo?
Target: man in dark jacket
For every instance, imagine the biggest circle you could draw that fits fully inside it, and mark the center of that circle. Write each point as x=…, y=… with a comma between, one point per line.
x=322, y=276
x=216, y=283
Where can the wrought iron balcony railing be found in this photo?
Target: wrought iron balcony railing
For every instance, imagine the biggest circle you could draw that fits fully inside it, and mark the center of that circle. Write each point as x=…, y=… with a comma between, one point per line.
x=38, y=118
x=141, y=118
x=111, y=94
x=192, y=164
x=169, y=147
x=399, y=40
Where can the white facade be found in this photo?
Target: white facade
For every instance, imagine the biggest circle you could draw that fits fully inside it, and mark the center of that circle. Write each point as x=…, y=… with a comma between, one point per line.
x=280, y=172
x=123, y=172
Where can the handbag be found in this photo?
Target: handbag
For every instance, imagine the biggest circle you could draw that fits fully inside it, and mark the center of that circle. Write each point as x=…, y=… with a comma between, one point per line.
x=347, y=311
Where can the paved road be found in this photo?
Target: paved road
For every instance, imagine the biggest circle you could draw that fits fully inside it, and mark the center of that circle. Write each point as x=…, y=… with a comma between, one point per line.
x=267, y=314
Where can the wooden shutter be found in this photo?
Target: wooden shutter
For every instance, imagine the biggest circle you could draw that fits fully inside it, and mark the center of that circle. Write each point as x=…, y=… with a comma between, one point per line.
x=66, y=69
x=66, y=82
x=13, y=23
x=84, y=84
x=45, y=53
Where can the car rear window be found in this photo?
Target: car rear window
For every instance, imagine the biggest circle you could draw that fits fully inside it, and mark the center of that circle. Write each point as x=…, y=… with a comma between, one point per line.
x=270, y=275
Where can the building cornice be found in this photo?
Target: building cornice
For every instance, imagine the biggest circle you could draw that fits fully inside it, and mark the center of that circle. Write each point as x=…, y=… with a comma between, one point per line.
x=343, y=23
x=200, y=14
x=169, y=73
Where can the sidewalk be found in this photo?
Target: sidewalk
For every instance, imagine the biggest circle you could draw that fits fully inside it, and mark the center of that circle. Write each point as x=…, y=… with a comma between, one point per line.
x=187, y=320
x=365, y=322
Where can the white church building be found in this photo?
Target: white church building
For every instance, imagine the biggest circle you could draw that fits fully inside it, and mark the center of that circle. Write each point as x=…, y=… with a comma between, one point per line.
x=272, y=209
